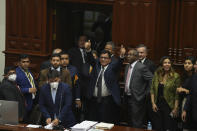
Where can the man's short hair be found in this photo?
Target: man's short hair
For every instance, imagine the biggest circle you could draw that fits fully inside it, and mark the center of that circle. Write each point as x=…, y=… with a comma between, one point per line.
x=55, y=55
x=142, y=45
x=8, y=68
x=94, y=52
x=112, y=44
x=23, y=56
x=106, y=52
x=53, y=74
x=64, y=53
x=135, y=52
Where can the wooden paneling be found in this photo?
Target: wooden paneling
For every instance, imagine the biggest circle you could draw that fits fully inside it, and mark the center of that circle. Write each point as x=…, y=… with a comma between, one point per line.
x=188, y=28
x=119, y=23
x=26, y=29
x=167, y=27
x=26, y=26
x=161, y=43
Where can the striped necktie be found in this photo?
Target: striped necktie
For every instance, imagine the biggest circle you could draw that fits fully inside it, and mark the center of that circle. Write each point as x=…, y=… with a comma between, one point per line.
x=30, y=79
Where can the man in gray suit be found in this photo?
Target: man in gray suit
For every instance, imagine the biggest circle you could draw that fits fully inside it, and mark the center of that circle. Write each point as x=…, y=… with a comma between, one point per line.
x=137, y=76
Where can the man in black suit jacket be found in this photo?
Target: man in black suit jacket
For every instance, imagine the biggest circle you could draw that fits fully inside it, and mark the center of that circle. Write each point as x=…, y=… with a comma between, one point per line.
x=77, y=54
x=104, y=88
x=110, y=46
x=137, y=86
x=11, y=92
x=143, y=52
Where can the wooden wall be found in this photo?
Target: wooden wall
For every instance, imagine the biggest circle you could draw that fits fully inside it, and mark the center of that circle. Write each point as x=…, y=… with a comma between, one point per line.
x=27, y=31
x=167, y=27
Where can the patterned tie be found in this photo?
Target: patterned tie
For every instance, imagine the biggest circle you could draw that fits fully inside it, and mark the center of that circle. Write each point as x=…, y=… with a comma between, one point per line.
x=127, y=80
x=99, y=85
x=31, y=82
x=30, y=79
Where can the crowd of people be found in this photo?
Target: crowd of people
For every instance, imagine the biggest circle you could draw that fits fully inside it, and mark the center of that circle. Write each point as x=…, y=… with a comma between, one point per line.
x=80, y=84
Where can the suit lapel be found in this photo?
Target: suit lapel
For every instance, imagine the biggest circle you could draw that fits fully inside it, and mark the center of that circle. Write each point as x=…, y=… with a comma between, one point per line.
x=49, y=93
x=133, y=73
x=58, y=95
x=126, y=71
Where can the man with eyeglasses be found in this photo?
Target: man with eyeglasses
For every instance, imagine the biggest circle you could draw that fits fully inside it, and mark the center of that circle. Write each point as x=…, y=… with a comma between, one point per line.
x=104, y=92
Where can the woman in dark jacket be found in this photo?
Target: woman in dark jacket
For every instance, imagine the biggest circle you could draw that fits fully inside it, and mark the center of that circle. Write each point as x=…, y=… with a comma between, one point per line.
x=185, y=88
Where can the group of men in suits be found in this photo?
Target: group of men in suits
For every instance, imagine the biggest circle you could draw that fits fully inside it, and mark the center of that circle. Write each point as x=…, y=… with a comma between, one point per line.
x=77, y=78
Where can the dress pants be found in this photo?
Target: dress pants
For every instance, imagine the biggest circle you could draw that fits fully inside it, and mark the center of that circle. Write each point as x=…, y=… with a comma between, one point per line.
x=136, y=112
x=104, y=111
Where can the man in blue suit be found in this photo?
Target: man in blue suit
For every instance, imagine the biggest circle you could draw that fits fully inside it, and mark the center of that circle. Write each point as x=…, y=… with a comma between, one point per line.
x=55, y=101
x=25, y=81
x=76, y=104
x=104, y=92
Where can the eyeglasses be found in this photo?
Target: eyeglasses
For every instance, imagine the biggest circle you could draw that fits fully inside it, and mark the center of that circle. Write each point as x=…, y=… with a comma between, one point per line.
x=105, y=58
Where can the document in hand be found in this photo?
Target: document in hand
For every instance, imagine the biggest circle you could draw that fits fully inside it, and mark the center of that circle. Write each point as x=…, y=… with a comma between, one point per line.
x=83, y=126
x=103, y=125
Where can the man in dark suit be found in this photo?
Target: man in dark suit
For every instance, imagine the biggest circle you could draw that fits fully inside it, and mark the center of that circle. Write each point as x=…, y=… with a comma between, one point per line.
x=11, y=92
x=110, y=46
x=25, y=81
x=137, y=77
x=55, y=101
x=76, y=104
x=55, y=65
x=191, y=104
x=104, y=90
x=47, y=64
x=143, y=52
x=77, y=54
x=78, y=58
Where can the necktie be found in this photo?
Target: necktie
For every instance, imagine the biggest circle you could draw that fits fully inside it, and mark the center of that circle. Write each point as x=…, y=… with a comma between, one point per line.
x=127, y=80
x=31, y=82
x=53, y=93
x=30, y=79
x=83, y=56
x=99, y=85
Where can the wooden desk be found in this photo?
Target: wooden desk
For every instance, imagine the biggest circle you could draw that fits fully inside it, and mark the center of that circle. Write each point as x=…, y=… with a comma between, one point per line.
x=23, y=128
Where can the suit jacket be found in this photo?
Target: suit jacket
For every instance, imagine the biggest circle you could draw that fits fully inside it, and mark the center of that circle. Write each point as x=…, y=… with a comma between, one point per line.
x=76, y=58
x=75, y=81
x=140, y=78
x=150, y=65
x=62, y=105
x=24, y=84
x=191, y=103
x=109, y=77
x=9, y=91
x=65, y=77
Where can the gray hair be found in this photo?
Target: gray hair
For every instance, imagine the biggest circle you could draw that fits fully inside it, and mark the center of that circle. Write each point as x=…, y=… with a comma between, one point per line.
x=142, y=45
x=135, y=52
x=57, y=51
x=112, y=44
